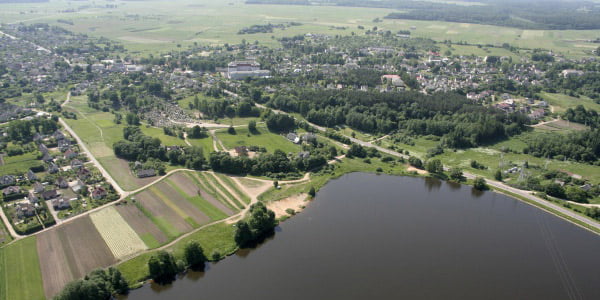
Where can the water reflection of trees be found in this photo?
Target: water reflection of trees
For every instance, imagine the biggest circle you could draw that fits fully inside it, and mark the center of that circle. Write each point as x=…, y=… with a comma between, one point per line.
x=432, y=183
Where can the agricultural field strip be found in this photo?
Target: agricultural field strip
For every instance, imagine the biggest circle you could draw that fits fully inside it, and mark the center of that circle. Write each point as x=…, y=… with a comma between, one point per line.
x=204, y=182
x=141, y=223
x=233, y=188
x=116, y=232
x=160, y=222
x=166, y=188
x=173, y=206
x=204, y=206
x=210, y=198
x=220, y=188
x=164, y=213
x=20, y=276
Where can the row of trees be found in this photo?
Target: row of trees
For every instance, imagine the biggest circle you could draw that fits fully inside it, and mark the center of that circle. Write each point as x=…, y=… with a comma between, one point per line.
x=259, y=225
x=99, y=284
x=24, y=130
x=163, y=266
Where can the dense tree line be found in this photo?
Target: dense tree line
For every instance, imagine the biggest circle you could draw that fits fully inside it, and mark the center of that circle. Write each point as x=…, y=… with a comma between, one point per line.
x=583, y=146
x=580, y=115
x=260, y=224
x=225, y=108
x=24, y=130
x=139, y=147
x=451, y=116
x=99, y=284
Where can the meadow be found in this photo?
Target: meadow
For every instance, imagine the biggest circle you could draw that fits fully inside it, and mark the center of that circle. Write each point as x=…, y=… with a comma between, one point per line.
x=153, y=26
x=262, y=138
x=20, y=275
x=561, y=102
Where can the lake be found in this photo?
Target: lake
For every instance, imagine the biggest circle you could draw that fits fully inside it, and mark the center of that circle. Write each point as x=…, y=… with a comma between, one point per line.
x=370, y=236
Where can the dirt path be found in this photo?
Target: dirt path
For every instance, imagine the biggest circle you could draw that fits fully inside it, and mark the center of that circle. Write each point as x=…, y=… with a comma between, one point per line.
x=220, y=192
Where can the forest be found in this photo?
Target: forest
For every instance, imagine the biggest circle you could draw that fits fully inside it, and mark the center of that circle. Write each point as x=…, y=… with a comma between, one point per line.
x=460, y=122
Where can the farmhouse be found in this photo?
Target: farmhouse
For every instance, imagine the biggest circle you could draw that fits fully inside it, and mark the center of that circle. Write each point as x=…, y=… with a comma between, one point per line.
x=293, y=137
x=146, y=173
x=52, y=168
x=241, y=150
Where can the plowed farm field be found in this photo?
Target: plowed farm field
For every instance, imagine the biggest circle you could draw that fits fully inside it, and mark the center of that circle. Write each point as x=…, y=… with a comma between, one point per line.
x=118, y=235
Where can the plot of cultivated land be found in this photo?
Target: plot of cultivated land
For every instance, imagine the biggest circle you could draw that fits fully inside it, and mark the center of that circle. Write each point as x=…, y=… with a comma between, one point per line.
x=168, y=217
x=209, y=182
x=20, y=276
x=207, y=189
x=208, y=197
x=119, y=170
x=223, y=190
x=181, y=203
x=69, y=252
x=562, y=125
x=233, y=188
x=193, y=196
x=150, y=234
x=118, y=235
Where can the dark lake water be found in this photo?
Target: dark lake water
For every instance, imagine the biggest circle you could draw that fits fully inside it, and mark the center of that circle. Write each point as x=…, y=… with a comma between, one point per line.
x=385, y=237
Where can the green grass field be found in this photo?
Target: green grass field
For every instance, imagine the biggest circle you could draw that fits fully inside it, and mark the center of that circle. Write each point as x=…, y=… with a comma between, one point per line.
x=229, y=182
x=185, y=22
x=20, y=275
x=19, y=164
x=212, y=212
x=263, y=138
x=562, y=102
x=206, y=144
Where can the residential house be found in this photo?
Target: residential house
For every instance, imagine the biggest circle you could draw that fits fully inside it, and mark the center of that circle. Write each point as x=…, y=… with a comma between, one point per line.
x=586, y=187
x=293, y=137
x=47, y=157
x=11, y=190
x=31, y=176
x=99, y=193
x=309, y=137
x=146, y=173
x=537, y=114
x=33, y=198
x=61, y=183
x=60, y=204
x=58, y=135
x=7, y=180
x=70, y=154
x=38, y=187
x=53, y=168
x=83, y=174
x=43, y=148
x=37, y=137
x=25, y=210
x=78, y=186
x=51, y=194
x=76, y=164
x=303, y=154
x=64, y=145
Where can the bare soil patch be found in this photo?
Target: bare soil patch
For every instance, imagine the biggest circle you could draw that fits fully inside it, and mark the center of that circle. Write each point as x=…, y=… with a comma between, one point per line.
x=157, y=207
x=69, y=252
x=139, y=222
x=297, y=203
x=419, y=171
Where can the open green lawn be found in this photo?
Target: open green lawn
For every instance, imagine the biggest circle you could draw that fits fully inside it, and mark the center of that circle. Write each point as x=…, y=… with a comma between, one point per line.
x=185, y=22
x=263, y=138
x=206, y=144
x=561, y=102
x=20, y=275
x=167, y=140
x=466, y=50
x=19, y=164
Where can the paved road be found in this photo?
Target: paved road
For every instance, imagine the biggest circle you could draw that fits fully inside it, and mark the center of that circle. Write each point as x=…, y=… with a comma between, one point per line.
x=496, y=184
